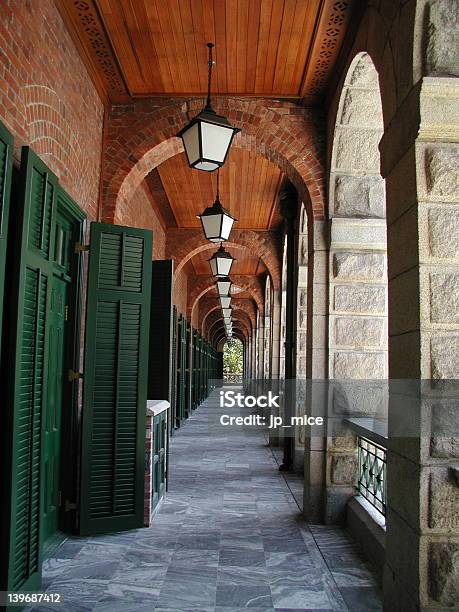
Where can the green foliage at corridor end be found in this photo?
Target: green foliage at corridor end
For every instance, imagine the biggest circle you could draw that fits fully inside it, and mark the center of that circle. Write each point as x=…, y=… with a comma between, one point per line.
x=233, y=356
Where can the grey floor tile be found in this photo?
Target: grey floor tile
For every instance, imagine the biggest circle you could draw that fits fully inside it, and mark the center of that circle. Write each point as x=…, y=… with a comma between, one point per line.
x=362, y=599
x=237, y=596
x=229, y=536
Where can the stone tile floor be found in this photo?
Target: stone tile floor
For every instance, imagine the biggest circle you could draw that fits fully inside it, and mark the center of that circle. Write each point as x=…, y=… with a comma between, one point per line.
x=228, y=536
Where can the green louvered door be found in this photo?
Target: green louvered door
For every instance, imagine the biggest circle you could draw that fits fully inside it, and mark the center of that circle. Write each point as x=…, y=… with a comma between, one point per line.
x=115, y=379
x=30, y=292
x=6, y=156
x=174, y=370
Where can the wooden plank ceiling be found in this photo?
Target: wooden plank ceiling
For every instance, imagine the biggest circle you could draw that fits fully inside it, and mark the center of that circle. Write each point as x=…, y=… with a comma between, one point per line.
x=273, y=48
x=249, y=186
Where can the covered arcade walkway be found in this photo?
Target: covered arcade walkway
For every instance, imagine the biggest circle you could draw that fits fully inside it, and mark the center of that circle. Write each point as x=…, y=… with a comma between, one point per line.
x=228, y=536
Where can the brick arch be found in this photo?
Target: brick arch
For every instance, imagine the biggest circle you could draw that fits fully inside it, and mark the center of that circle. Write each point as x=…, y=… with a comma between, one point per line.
x=237, y=305
x=142, y=136
x=51, y=136
x=207, y=283
x=239, y=314
x=242, y=328
x=183, y=244
x=222, y=341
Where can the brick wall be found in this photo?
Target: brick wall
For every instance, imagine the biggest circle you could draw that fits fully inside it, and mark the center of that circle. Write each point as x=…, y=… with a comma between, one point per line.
x=47, y=99
x=181, y=292
x=138, y=212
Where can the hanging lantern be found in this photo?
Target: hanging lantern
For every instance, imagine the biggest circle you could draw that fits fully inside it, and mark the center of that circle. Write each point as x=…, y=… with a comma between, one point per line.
x=224, y=286
x=221, y=262
x=207, y=138
x=226, y=312
x=225, y=302
x=216, y=221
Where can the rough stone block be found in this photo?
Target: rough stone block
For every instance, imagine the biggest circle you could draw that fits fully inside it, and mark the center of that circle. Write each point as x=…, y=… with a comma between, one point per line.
x=362, y=108
x=359, y=332
x=364, y=73
x=360, y=196
x=442, y=172
x=442, y=49
x=359, y=266
x=360, y=299
x=444, y=298
x=357, y=150
x=348, y=365
x=445, y=357
x=344, y=469
x=444, y=440
x=444, y=573
x=364, y=399
x=443, y=228
x=443, y=501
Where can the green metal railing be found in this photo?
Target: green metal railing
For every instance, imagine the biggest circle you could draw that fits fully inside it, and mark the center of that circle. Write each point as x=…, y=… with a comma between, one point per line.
x=372, y=473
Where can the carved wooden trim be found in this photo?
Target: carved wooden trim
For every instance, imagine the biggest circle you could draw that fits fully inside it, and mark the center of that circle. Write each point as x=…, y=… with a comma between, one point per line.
x=87, y=29
x=331, y=28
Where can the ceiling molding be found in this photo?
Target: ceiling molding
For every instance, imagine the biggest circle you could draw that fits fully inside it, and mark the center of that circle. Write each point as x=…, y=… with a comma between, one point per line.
x=88, y=32
x=87, y=27
x=330, y=32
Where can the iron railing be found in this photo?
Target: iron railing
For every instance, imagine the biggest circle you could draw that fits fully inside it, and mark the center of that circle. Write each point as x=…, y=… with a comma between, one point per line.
x=231, y=377
x=372, y=473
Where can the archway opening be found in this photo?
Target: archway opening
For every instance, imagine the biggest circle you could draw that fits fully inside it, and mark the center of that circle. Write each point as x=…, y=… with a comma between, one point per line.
x=233, y=360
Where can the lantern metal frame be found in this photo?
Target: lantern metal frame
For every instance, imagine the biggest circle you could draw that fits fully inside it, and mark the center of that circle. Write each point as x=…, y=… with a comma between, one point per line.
x=220, y=254
x=224, y=281
x=209, y=116
x=217, y=210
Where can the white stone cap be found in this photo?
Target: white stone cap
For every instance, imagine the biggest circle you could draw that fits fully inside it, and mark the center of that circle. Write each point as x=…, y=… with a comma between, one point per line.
x=154, y=407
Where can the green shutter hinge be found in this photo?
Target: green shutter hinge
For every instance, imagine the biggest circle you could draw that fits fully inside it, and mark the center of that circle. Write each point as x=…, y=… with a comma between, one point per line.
x=72, y=375
x=70, y=505
x=80, y=248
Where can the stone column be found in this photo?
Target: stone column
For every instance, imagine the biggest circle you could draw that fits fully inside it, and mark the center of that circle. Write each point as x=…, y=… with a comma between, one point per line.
x=289, y=210
x=421, y=166
x=301, y=339
x=357, y=347
x=261, y=337
x=275, y=350
x=316, y=304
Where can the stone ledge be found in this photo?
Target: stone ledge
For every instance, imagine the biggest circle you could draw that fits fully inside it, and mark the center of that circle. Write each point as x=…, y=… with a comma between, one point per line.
x=369, y=234
x=367, y=527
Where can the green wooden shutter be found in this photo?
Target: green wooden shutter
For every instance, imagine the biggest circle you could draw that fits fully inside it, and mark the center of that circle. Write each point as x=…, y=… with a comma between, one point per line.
x=174, y=370
x=6, y=165
x=161, y=322
x=115, y=379
x=30, y=293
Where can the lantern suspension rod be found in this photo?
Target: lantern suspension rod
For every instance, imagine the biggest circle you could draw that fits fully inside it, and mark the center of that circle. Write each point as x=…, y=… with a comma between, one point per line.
x=210, y=46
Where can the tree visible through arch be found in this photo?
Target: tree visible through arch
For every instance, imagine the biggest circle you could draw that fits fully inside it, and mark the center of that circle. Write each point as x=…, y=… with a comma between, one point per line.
x=233, y=357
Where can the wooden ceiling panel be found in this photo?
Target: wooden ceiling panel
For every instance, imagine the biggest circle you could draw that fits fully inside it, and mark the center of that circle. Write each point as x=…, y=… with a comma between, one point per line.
x=249, y=186
x=271, y=48
x=262, y=45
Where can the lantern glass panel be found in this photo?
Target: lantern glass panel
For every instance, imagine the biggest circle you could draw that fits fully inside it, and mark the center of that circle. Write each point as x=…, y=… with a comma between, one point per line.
x=225, y=301
x=226, y=312
x=211, y=225
x=216, y=140
x=227, y=224
x=191, y=143
x=223, y=287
